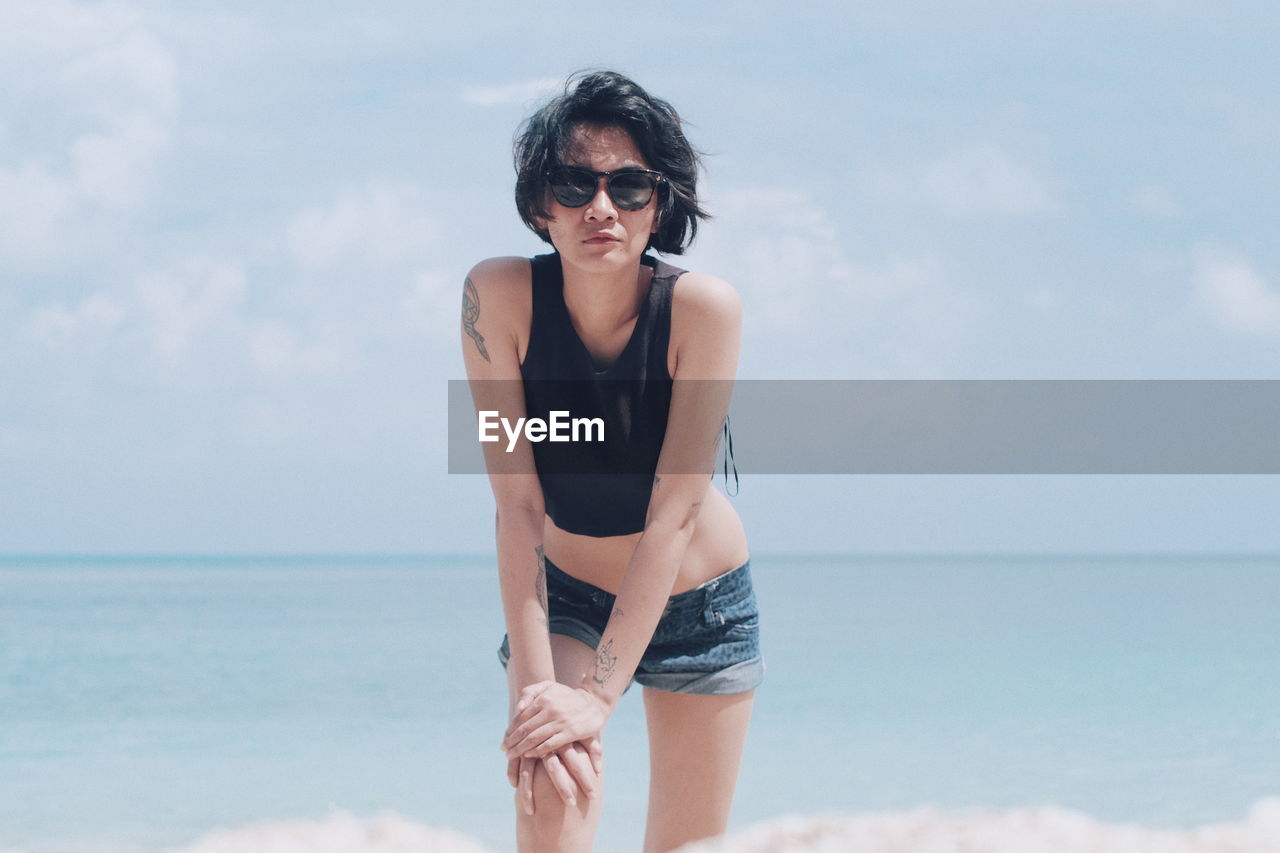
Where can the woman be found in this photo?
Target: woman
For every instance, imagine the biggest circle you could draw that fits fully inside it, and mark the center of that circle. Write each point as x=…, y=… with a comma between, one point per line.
x=637, y=567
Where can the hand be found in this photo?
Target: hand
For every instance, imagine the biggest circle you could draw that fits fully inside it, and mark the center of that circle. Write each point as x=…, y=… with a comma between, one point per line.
x=577, y=762
x=550, y=716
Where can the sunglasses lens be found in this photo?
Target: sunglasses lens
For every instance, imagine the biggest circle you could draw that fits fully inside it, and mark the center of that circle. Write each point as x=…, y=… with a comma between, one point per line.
x=575, y=187
x=631, y=190
x=572, y=187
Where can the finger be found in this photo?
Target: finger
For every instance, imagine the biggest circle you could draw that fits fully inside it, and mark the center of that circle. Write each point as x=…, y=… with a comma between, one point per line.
x=595, y=748
x=534, y=741
x=518, y=733
x=513, y=771
x=524, y=794
x=531, y=692
x=560, y=778
x=522, y=724
x=553, y=743
x=579, y=765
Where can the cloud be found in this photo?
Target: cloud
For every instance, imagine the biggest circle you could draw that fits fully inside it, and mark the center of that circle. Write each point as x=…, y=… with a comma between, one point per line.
x=432, y=302
x=277, y=349
x=976, y=179
x=1234, y=295
x=378, y=223
x=515, y=94
x=98, y=95
x=56, y=325
x=819, y=310
x=1154, y=201
x=187, y=299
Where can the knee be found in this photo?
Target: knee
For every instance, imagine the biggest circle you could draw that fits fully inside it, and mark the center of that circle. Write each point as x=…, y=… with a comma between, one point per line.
x=553, y=826
x=545, y=825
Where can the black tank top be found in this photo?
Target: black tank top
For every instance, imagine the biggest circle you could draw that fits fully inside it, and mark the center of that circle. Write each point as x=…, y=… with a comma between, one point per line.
x=599, y=489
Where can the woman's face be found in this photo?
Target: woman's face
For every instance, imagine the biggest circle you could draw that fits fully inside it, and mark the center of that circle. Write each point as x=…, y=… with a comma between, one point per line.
x=600, y=236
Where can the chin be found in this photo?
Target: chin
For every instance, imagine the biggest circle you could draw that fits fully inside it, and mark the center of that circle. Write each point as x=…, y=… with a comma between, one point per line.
x=606, y=258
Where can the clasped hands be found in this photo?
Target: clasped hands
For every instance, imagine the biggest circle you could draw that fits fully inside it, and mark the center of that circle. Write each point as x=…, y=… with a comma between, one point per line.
x=561, y=726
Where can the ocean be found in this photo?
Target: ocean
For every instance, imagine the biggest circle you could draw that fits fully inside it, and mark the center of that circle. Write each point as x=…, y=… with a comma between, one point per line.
x=147, y=701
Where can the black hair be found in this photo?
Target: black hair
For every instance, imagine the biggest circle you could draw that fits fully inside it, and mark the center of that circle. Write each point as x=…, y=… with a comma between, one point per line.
x=607, y=98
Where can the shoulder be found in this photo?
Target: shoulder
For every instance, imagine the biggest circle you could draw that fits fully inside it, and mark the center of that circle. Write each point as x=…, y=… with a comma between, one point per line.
x=500, y=274
x=706, y=325
x=501, y=288
x=699, y=298
x=497, y=305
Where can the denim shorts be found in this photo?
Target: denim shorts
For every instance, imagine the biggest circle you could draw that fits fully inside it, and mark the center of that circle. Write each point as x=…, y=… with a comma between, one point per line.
x=707, y=641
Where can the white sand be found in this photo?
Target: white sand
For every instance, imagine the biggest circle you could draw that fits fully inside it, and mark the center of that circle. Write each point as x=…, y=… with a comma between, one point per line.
x=1047, y=829
x=1032, y=830
x=339, y=833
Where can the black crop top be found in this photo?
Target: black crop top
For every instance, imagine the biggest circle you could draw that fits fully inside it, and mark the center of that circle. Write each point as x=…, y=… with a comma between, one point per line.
x=599, y=489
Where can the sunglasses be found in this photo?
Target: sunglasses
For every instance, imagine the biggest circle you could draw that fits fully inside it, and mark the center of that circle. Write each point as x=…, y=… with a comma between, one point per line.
x=630, y=189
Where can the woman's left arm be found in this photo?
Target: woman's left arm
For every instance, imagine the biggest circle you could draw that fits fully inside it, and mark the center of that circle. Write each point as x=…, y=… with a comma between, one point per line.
x=705, y=332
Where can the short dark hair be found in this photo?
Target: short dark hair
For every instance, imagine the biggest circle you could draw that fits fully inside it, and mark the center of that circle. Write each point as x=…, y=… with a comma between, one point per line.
x=607, y=98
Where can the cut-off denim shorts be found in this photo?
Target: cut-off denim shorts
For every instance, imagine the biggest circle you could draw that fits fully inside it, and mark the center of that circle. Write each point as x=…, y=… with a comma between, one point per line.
x=707, y=641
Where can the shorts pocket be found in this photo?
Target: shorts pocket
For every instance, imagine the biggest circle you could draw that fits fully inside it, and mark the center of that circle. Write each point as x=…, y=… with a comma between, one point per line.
x=739, y=612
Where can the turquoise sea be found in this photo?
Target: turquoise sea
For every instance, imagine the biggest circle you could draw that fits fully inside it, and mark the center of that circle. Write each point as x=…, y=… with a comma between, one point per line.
x=145, y=701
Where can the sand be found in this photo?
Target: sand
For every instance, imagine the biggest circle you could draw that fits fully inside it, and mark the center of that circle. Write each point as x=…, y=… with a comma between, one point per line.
x=1046, y=829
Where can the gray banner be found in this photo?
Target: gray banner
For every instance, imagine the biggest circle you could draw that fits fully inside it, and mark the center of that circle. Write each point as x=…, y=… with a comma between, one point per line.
x=978, y=426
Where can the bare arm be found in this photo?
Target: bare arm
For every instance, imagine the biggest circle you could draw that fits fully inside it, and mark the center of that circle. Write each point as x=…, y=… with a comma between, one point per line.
x=491, y=308
x=707, y=351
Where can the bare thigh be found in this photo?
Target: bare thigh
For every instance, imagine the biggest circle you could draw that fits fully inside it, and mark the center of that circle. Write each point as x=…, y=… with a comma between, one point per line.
x=553, y=825
x=695, y=749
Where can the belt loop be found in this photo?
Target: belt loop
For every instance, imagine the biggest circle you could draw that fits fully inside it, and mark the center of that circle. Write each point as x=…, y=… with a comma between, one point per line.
x=710, y=616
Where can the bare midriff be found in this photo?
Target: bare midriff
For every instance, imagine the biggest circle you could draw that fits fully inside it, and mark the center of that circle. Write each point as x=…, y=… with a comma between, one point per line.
x=719, y=544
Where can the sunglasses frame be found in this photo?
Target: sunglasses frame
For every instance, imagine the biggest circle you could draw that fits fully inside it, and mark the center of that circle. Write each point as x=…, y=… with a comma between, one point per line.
x=657, y=177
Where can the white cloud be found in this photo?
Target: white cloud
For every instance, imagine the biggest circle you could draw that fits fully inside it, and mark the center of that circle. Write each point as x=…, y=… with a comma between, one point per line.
x=817, y=310
x=185, y=300
x=1154, y=200
x=516, y=94
x=277, y=349
x=109, y=87
x=55, y=325
x=378, y=223
x=1234, y=295
x=33, y=203
x=433, y=302
x=976, y=179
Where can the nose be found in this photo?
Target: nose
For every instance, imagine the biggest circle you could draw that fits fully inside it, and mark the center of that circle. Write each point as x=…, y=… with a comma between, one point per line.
x=601, y=204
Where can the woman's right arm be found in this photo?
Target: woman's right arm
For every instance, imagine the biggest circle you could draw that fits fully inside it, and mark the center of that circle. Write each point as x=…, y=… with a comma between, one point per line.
x=496, y=304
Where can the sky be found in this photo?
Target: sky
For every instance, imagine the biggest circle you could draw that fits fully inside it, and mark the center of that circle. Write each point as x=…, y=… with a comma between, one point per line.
x=232, y=238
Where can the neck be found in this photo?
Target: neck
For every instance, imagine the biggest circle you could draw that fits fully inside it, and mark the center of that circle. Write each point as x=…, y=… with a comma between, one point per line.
x=605, y=300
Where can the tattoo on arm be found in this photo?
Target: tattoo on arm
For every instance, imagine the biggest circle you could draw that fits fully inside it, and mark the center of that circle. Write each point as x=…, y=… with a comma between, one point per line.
x=471, y=313
x=605, y=660
x=657, y=480
x=540, y=584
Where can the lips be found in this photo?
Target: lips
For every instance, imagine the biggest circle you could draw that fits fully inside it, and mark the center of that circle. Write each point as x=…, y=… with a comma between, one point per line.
x=602, y=238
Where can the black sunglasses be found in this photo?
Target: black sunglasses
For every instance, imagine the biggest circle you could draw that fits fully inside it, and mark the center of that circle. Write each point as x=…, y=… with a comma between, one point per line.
x=630, y=189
